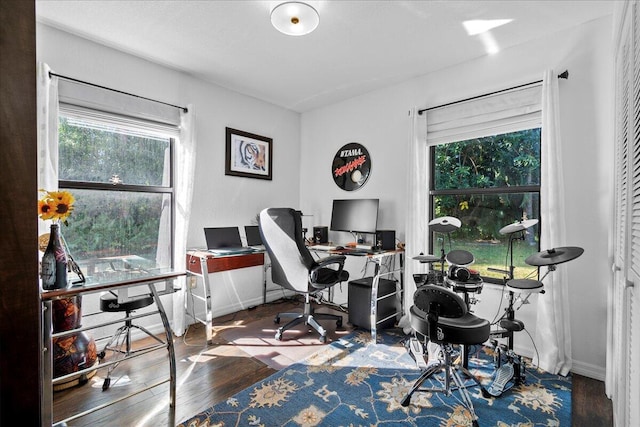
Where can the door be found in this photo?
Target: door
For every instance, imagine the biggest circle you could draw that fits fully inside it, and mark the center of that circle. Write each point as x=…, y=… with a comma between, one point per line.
x=623, y=346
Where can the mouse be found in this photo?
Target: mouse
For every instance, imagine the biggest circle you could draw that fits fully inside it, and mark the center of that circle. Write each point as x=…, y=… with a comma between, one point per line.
x=339, y=248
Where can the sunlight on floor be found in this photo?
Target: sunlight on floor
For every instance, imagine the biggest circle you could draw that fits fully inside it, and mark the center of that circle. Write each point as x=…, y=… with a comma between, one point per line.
x=162, y=405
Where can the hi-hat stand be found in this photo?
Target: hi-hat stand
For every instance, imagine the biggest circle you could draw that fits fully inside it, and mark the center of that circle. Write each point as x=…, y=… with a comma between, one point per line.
x=514, y=368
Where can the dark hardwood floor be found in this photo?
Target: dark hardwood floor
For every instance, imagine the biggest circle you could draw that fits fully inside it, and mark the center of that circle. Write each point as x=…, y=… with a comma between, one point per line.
x=207, y=374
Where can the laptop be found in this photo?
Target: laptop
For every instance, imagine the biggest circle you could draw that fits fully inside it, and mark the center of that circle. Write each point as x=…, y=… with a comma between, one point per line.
x=254, y=239
x=225, y=241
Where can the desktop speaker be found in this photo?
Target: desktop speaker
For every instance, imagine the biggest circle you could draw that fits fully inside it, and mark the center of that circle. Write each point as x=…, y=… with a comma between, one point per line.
x=320, y=235
x=386, y=240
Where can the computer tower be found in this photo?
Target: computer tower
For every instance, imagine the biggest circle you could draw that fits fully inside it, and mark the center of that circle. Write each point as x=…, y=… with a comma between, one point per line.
x=320, y=234
x=386, y=240
x=359, y=303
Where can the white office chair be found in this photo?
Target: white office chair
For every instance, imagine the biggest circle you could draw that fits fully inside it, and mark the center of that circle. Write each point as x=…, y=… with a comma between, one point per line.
x=293, y=267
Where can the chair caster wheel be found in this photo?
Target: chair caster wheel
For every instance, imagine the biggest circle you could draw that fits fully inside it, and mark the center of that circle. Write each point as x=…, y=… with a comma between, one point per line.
x=279, y=336
x=276, y=320
x=323, y=339
x=106, y=384
x=101, y=355
x=405, y=402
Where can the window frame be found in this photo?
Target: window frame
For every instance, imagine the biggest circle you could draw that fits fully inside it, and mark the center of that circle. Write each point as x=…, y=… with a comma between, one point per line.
x=132, y=188
x=433, y=193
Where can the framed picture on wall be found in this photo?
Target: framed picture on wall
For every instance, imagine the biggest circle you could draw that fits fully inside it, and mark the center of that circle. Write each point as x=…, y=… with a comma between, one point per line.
x=248, y=155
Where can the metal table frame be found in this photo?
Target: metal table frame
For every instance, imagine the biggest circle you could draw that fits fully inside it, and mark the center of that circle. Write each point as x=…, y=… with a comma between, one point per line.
x=201, y=263
x=121, y=286
x=378, y=260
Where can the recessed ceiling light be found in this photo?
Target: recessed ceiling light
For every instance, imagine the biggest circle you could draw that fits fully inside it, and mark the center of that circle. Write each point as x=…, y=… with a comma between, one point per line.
x=479, y=26
x=294, y=18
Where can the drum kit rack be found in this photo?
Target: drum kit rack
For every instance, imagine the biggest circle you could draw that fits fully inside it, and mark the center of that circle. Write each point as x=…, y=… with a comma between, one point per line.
x=510, y=368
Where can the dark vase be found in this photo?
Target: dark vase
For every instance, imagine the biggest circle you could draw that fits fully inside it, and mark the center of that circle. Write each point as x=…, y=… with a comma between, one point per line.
x=74, y=352
x=54, y=262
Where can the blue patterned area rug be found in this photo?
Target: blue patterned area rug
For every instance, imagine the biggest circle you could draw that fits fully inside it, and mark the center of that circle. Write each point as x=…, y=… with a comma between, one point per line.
x=353, y=382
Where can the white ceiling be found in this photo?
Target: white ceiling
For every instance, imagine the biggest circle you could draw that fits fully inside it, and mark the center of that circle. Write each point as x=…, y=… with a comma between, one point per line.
x=358, y=47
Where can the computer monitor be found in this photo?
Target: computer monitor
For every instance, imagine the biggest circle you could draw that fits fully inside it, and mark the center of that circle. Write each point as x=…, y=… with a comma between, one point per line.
x=355, y=215
x=253, y=235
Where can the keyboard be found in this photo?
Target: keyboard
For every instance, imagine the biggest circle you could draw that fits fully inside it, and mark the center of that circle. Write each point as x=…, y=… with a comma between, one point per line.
x=323, y=247
x=358, y=251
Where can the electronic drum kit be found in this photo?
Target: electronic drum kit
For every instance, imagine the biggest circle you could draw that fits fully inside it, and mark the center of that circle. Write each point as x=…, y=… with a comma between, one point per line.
x=462, y=279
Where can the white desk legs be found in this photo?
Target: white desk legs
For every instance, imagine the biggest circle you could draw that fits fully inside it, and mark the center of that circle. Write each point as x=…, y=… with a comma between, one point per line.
x=374, y=300
x=206, y=298
x=374, y=291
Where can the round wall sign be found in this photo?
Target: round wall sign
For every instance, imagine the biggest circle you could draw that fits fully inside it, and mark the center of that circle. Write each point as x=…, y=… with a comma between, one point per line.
x=351, y=166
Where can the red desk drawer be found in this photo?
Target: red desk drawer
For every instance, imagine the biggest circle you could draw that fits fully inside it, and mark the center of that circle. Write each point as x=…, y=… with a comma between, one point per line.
x=222, y=263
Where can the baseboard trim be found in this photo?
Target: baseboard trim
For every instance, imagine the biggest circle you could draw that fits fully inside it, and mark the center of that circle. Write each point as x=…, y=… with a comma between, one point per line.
x=588, y=370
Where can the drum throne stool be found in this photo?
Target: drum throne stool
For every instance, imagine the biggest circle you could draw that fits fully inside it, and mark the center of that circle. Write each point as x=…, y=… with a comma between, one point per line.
x=120, y=342
x=440, y=316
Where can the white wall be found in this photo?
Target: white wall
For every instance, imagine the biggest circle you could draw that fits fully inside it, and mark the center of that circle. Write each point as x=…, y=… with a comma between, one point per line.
x=379, y=121
x=218, y=200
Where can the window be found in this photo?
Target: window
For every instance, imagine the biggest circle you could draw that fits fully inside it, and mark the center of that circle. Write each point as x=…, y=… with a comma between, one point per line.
x=485, y=171
x=120, y=172
x=488, y=183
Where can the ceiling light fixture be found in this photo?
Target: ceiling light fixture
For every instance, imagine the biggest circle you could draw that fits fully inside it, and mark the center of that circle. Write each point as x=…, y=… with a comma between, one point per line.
x=295, y=18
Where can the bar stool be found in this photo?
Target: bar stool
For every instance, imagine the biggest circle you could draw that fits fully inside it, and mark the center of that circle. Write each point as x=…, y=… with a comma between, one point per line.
x=120, y=342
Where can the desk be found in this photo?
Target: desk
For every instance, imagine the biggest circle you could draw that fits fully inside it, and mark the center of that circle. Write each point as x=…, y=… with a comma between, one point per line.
x=120, y=281
x=378, y=259
x=201, y=263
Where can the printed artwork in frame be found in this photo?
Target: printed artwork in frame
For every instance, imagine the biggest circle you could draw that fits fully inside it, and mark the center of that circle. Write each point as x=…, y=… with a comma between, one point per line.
x=248, y=155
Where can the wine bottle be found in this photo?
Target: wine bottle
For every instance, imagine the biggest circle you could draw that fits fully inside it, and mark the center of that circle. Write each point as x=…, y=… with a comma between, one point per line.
x=54, y=262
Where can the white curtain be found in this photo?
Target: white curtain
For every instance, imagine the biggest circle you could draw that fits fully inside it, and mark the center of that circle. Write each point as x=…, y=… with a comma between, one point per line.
x=47, y=97
x=417, y=216
x=185, y=168
x=553, y=337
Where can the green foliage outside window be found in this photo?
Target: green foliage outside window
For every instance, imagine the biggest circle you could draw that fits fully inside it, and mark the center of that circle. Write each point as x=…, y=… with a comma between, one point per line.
x=122, y=189
x=95, y=154
x=488, y=183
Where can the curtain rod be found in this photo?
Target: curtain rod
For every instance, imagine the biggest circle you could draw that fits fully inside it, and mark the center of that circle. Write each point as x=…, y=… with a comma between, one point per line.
x=563, y=75
x=116, y=90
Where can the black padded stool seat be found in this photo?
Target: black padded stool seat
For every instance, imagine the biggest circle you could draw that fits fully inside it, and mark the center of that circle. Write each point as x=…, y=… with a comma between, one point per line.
x=109, y=302
x=455, y=324
x=465, y=330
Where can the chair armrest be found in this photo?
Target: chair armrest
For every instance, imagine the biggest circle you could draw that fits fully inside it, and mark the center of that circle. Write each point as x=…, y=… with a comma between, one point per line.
x=324, y=263
x=332, y=259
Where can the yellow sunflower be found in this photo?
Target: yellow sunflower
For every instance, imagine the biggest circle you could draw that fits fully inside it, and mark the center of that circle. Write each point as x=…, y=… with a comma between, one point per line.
x=46, y=209
x=55, y=205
